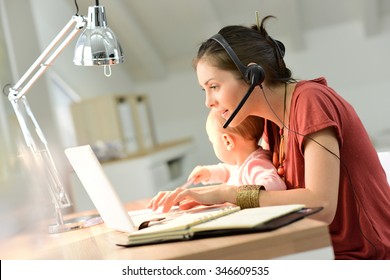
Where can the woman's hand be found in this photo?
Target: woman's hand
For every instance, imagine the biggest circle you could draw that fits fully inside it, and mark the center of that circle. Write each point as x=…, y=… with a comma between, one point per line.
x=187, y=198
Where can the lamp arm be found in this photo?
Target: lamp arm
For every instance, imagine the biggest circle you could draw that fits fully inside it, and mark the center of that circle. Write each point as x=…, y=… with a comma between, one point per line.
x=46, y=171
x=40, y=66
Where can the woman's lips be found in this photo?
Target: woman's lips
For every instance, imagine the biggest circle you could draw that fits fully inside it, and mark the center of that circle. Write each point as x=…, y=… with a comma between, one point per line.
x=224, y=114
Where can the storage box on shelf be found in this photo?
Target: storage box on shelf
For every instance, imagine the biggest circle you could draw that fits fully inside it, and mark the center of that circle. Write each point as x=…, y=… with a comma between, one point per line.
x=115, y=125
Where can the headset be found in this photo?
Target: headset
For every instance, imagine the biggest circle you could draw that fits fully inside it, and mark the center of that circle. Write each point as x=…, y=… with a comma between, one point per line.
x=253, y=74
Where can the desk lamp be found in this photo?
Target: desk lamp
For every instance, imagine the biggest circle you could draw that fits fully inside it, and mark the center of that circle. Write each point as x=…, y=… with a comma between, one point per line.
x=97, y=45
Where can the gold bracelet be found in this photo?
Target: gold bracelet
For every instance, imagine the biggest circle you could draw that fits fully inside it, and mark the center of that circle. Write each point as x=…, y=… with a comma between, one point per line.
x=248, y=196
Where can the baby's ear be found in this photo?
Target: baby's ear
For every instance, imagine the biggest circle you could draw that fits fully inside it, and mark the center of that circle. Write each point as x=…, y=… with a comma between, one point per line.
x=228, y=141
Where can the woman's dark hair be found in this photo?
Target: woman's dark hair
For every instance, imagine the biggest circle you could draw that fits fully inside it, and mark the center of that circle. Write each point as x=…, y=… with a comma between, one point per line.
x=251, y=44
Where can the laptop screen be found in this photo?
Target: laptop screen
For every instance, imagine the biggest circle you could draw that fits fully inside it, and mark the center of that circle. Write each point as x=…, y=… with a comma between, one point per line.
x=100, y=190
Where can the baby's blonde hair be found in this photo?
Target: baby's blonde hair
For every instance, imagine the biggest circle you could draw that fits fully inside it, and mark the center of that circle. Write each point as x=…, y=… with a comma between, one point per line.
x=250, y=129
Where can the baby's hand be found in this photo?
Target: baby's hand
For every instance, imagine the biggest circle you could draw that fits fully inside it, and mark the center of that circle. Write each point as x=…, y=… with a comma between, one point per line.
x=199, y=174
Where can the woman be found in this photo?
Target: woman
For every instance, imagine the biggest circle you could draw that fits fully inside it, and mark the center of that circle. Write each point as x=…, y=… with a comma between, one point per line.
x=320, y=146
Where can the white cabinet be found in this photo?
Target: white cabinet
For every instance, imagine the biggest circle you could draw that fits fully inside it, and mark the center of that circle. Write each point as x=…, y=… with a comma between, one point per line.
x=164, y=167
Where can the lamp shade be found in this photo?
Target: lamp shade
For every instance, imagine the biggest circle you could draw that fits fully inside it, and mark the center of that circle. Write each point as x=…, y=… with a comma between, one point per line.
x=97, y=45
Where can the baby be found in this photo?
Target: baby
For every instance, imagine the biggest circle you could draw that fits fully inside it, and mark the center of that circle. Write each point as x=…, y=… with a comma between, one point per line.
x=244, y=161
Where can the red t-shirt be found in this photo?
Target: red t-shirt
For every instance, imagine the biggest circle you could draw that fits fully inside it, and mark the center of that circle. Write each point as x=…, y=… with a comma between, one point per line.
x=361, y=227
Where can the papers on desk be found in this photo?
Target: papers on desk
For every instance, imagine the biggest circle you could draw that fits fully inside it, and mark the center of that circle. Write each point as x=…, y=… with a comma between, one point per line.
x=218, y=221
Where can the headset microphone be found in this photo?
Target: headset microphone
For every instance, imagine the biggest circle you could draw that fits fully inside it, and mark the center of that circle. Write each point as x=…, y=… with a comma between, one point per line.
x=242, y=102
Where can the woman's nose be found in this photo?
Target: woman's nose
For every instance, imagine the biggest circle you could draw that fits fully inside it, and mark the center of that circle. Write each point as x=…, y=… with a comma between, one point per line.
x=210, y=103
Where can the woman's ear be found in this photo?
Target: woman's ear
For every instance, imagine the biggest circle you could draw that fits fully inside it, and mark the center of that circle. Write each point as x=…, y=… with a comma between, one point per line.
x=228, y=141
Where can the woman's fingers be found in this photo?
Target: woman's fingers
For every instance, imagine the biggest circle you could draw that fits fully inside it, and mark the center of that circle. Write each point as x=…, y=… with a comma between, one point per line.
x=188, y=204
x=172, y=199
x=196, y=196
x=155, y=202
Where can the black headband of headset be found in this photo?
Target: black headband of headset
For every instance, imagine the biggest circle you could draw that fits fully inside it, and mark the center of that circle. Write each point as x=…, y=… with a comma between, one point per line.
x=221, y=40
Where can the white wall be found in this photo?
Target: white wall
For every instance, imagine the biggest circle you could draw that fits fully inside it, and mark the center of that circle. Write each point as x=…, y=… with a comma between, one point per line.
x=179, y=111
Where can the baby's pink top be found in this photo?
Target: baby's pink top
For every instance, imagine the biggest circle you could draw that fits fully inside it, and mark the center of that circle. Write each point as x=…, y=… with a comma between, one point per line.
x=256, y=170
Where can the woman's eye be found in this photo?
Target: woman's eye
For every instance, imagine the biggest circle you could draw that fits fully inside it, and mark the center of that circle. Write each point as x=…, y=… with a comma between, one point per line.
x=212, y=87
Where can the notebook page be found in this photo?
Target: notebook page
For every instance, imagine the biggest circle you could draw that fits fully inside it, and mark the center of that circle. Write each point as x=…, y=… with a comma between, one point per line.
x=183, y=221
x=248, y=218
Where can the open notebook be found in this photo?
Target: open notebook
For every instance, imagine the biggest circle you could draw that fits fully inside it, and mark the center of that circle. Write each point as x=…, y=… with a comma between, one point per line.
x=148, y=227
x=233, y=221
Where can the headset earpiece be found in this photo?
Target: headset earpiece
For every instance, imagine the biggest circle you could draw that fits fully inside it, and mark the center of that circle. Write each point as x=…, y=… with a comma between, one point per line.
x=253, y=74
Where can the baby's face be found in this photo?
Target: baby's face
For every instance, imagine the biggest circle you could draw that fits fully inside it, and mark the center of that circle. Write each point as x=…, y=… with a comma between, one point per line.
x=216, y=137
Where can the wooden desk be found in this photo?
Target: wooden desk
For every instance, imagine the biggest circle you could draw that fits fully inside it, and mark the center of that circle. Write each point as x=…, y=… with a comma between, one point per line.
x=98, y=242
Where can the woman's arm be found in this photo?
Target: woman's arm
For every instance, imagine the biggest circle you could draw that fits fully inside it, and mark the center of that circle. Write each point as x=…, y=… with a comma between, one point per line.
x=322, y=173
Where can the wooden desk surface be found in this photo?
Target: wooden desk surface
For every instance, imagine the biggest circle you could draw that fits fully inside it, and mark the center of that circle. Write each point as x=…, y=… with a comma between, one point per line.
x=98, y=242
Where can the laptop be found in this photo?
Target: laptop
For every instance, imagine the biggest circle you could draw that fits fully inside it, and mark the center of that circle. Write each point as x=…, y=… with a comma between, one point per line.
x=102, y=193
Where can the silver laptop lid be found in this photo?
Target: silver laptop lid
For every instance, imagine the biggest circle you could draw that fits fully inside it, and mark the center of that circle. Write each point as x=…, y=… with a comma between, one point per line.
x=96, y=183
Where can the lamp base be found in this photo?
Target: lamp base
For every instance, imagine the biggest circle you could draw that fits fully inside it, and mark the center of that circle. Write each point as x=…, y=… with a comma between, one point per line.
x=76, y=223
